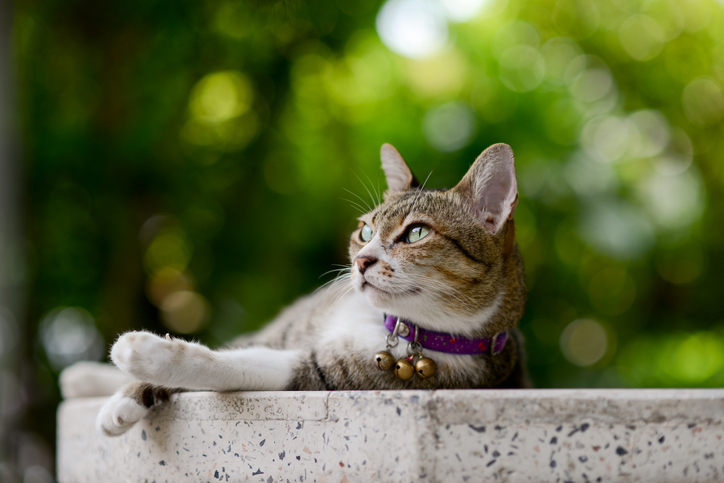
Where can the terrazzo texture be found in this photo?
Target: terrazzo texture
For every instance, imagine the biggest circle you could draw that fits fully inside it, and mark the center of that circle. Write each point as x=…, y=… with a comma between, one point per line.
x=436, y=436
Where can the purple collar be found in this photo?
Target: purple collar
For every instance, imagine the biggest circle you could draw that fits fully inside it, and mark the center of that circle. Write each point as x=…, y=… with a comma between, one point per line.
x=452, y=344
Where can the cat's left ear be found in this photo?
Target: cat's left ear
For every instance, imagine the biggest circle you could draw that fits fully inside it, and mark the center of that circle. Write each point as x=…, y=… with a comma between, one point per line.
x=399, y=177
x=491, y=187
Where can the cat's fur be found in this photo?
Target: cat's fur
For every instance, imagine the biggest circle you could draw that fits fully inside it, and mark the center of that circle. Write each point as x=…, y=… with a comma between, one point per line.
x=465, y=277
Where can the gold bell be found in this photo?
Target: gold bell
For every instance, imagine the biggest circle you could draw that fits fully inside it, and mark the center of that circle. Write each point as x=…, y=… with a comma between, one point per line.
x=425, y=367
x=384, y=360
x=404, y=369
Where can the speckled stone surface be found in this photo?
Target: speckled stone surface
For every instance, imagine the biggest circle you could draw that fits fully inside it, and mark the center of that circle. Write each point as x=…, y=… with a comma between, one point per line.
x=437, y=436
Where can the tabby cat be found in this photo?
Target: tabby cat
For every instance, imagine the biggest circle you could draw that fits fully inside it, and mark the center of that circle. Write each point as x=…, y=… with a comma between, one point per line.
x=432, y=298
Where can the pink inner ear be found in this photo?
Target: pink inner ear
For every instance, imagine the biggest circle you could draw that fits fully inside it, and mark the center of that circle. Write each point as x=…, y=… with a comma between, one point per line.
x=495, y=189
x=497, y=192
x=399, y=177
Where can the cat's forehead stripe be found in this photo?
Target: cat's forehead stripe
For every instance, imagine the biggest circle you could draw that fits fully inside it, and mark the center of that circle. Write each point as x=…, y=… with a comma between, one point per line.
x=405, y=203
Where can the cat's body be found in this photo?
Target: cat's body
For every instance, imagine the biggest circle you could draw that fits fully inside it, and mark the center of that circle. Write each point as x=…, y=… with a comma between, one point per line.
x=446, y=261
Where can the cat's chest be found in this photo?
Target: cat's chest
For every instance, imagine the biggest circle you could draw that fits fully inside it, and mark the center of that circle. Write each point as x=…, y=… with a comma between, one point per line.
x=354, y=325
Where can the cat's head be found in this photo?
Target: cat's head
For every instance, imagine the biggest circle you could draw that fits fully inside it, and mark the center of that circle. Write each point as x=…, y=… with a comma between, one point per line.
x=441, y=258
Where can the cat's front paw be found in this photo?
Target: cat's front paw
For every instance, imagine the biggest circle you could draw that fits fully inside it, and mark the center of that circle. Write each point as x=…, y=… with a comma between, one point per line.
x=118, y=415
x=147, y=357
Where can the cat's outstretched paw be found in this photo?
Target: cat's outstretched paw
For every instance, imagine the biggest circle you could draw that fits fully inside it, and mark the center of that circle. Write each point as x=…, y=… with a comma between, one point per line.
x=161, y=361
x=119, y=414
x=147, y=357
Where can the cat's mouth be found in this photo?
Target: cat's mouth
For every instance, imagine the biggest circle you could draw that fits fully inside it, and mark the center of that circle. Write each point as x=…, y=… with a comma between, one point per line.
x=412, y=291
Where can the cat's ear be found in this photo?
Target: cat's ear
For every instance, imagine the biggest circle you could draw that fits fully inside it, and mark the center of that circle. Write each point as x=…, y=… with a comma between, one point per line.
x=399, y=177
x=491, y=187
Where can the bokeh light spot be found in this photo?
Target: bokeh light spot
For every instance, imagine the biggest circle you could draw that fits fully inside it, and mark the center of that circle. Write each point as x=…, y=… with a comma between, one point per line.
x=412, y=28
x=68, y=335
x=669, y=16
x=166, y=281
x=185, y=311
x=362, y=76
x=168, y=249
x=449, y=127
x=584, y=342
x=641, y=37
x=234, y=20
x=678, y=156
x=522, y=68
x=610, y=138
x=703, y=101
x=592, y=84
x=463, y=10
x=681, y=266
x=653, y=128
x=617, y=229
x=697, y=358
x=673, y=202
x=441, y=75
x=587, y=177
x=558, y=53
x=221, y=96
x=516, y=33
x=229, y=136
x=577, y=18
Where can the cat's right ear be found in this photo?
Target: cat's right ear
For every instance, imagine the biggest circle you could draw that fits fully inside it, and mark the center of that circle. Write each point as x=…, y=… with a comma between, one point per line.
x=399, y=177
x=491, y=187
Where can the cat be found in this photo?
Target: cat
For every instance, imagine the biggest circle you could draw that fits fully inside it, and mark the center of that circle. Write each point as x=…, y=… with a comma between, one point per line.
x=431, y=300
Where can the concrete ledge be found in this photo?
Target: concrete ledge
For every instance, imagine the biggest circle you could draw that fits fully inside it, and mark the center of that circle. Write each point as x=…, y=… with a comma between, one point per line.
x=467, y=435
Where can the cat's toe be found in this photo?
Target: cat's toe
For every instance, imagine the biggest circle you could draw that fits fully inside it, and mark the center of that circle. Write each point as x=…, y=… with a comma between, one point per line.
x=139, y=354
x=130, y=347
x=118, y=415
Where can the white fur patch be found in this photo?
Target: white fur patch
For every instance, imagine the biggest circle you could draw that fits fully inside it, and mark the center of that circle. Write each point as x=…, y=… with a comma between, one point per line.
x=177, y=363
x=91, y=379
x=355, y=319
x=118, y=415
x=360, y=324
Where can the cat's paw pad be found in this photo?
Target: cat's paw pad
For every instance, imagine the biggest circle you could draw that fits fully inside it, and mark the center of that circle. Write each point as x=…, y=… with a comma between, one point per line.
x=146, y=356
x=118, y=415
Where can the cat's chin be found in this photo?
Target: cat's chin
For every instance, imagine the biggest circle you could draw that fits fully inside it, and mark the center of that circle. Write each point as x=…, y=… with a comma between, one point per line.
x=375, y=295
x=383, y=299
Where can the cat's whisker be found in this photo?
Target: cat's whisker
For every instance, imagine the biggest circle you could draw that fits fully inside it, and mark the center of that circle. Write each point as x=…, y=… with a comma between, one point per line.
x=343, y=292
x=368, y=190
x=421, y=188
x=333, y=270
x=355, y=205
x=377, y=190
x=364, y=202
x=335, y=293
x=341, y=275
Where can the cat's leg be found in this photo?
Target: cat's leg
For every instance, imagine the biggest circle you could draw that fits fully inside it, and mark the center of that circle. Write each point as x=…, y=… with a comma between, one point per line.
x=90, y=379
x=172, y=362
x=128, y=406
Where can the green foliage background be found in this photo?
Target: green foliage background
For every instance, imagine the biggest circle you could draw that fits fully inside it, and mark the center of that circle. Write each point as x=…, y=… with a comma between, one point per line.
x=217, y=140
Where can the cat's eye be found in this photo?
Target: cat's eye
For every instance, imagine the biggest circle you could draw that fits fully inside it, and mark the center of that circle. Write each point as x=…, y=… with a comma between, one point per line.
x=366, y=233
x=416, y=232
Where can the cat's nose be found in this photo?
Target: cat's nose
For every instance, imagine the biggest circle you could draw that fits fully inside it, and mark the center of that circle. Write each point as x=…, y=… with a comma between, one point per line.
x=363, y=263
